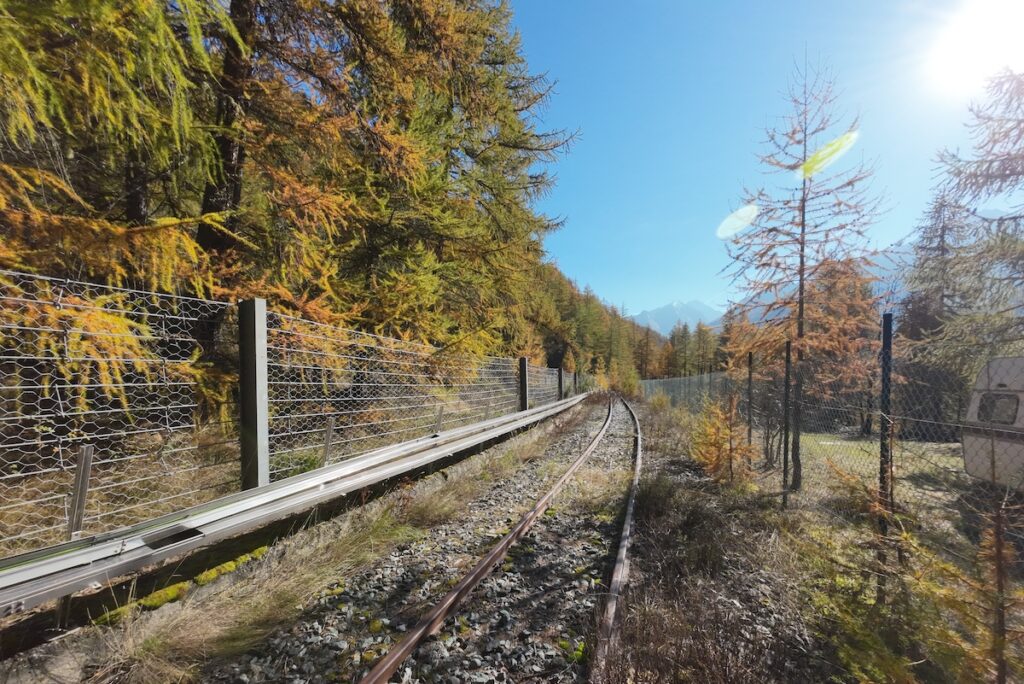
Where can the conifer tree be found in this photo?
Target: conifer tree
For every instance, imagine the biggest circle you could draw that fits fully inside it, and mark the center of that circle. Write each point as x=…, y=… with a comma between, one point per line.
x=704, y=346
x=933, y=279
x=987, y=266
x=806, y=223
x=368, y=164
x=680, y=340
x=102, y=136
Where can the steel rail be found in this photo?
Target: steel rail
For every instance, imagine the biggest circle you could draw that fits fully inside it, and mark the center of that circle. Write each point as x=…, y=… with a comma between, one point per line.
x=607, y=631
x=432, y=621
x=31, y=579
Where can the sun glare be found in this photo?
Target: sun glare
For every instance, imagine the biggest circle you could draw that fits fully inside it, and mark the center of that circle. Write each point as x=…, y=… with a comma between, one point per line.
x=979, y=39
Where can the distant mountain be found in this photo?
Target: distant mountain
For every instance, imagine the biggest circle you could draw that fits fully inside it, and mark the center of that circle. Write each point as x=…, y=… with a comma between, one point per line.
x=663, y=319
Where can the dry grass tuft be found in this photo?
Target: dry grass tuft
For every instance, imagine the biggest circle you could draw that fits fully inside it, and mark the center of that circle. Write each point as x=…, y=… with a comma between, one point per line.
x=596, y=492
x=703, y=605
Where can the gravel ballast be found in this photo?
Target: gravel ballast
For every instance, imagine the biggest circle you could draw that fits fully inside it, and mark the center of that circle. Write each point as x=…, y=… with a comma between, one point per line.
x=534, y=618
x=531, y=620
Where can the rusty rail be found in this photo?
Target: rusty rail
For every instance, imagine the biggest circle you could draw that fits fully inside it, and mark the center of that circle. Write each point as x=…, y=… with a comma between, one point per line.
x=433, y=620
x=607, y=632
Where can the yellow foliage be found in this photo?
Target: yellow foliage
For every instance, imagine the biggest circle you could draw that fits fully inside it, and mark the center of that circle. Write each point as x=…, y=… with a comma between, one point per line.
x=386, y=163
x=90, y=342
x=718, y=442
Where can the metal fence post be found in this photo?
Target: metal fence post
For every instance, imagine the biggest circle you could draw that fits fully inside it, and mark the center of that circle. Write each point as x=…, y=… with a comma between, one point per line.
x=438, y=419
x=884, y=451
x=561, y=384
x=524, y=385
x=76, y=516
x=785, y=427
x=750, y=398
x=328, y=439
x=253, y=393
x=885, y=419
x=575, y=382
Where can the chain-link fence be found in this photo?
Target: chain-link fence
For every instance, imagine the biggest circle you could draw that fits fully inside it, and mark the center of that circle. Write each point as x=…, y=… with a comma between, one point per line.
x=143, y=379
x=950, y=409
x=120, y=405
x=690, y=391
x=923, y=429
x=937, y=438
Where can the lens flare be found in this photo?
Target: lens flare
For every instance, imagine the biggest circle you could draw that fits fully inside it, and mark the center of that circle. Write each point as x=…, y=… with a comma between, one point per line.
x=978, y=39
x=827, y=155
x=736, y=221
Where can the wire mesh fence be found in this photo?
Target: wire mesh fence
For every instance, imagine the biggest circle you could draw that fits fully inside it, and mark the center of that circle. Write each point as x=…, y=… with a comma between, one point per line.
x=337, y=392
x=950, y=424
x=119, y=405
x=942, y=448
x=141, y=377
x=543, y=383
x=690, y=391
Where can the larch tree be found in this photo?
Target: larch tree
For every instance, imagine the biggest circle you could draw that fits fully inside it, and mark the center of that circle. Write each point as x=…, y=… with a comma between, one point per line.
x=102, y=136
x=680, y=339
x=372, y=164
x=222, y=193
x=646, y=352
x=808, y=221
x=987, y=266
x=704, y=347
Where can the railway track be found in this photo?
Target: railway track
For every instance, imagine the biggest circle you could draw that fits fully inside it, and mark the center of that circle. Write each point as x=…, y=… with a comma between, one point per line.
x=461, y=595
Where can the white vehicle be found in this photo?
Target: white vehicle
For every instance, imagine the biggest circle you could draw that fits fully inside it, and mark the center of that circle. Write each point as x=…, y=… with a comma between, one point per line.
x=993, y=434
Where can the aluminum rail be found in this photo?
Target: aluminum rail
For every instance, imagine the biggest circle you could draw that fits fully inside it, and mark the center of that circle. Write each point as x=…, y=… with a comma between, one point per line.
x=607, y=631
x=31, y=579
x=432, y=621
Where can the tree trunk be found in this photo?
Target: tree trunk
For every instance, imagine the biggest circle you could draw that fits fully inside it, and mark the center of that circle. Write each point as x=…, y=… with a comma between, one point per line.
x=136, y=189
x=223, y=193
x=798, y=387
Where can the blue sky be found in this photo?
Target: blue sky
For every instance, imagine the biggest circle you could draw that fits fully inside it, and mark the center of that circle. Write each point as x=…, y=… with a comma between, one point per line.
x=670, y=99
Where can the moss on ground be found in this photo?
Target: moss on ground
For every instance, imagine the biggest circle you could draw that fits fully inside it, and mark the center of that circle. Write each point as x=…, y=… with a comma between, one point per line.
x=177, y=591
x=115, y=616
x=204, y=578
x=166, y=595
